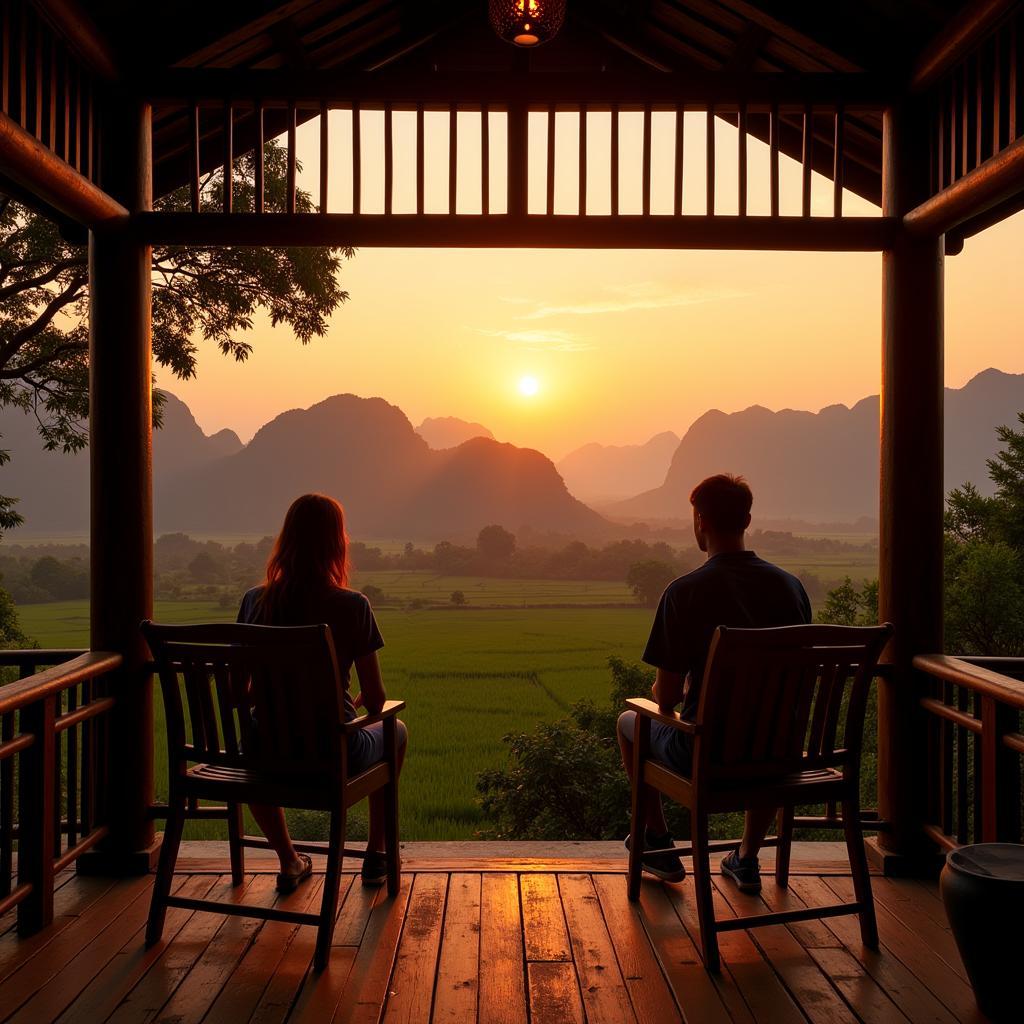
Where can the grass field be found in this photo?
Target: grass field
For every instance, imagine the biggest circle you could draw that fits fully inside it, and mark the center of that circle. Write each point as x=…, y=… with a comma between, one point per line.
x=469, y=677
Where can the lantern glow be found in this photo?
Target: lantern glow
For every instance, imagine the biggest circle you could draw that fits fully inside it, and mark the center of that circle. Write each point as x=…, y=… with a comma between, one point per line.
x=527, y=23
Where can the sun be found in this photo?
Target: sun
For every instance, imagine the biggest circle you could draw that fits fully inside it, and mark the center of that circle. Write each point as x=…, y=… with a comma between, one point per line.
x=528, y=386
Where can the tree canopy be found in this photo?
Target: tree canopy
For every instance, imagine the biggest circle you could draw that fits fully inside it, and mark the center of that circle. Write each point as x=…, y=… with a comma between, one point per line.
x=210, y=294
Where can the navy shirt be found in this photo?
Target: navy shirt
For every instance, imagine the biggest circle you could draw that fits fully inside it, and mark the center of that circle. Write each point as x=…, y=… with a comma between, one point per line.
x=735, y=588
x=347, y=613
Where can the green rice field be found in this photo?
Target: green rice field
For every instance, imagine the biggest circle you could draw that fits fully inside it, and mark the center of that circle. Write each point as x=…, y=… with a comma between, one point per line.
x=469, y=677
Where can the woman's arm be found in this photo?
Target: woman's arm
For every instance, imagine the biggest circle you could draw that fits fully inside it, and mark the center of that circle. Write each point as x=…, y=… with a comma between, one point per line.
x=371, y=686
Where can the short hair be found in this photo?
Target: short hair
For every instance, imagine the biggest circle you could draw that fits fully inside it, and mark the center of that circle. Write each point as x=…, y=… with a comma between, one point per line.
x=723, y=502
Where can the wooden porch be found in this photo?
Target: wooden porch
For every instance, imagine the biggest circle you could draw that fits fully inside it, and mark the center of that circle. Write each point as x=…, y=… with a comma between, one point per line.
x=491, y=938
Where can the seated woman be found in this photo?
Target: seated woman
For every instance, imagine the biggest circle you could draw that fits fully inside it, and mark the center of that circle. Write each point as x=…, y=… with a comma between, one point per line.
x=307, y=584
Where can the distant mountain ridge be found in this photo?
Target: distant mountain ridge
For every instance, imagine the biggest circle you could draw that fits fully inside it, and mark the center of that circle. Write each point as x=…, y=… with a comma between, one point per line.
x=824, y=466
x=449, y=431
x=604, y=472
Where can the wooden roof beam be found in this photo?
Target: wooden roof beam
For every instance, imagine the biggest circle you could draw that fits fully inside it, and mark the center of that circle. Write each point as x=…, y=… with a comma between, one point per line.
x=27, y=162
x=957, y=40
x=71, y=22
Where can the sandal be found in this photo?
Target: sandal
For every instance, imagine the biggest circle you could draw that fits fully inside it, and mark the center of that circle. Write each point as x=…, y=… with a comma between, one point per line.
x=290, y=881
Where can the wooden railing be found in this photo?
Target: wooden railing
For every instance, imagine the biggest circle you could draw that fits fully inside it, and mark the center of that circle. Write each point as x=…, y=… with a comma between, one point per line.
x=975, y=743
x=51, y=772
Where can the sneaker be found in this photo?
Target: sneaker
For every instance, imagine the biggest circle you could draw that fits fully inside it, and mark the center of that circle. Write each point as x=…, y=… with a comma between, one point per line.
x=375, y=868
x=744, y=871
x=665, y=864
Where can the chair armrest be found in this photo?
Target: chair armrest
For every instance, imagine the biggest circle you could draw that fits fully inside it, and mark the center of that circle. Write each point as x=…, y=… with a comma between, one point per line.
x=649, y=709
x=390, y=709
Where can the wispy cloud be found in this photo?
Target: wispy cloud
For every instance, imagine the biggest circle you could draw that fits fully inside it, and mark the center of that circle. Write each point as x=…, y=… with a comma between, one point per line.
x=551, y=341
x=640, y=296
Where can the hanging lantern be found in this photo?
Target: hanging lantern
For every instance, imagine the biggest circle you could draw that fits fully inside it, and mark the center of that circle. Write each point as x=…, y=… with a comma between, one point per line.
x=527, y=22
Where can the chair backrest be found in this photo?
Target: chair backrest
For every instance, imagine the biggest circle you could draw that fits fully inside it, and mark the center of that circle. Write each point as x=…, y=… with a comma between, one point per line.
x=262, y=698
x=782, y=700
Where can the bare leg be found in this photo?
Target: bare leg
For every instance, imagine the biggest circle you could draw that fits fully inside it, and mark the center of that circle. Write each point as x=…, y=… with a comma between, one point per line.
x=271, y=822
x=653, y=811
x=755, y=827
x=378, y=807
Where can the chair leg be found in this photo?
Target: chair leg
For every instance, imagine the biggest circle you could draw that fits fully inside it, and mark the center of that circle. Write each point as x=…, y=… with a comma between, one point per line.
x=702, y=890
x=165, y=870
x=235, y=848
x=859, y=869
x=392, y=849
x=332, y=882
x=785, y=847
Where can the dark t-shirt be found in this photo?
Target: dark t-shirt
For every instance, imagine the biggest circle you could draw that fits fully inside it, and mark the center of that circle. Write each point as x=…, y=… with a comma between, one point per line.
x=347, y=612
x=732, y=589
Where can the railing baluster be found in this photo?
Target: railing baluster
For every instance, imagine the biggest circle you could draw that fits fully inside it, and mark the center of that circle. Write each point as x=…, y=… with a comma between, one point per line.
x=453, y=158
x=58, y=765
x=549, y=203
x=66, y=80
x=6, y=808
x=773, y=157
x=954, y=120
x=290, y=196
x=677, y=164
x=357, y=161
x=195, y=186
x=1012, y=86
x=979, y=111
x=37, y=39
x=997, y=93
x=614, y=170
x=806, y=157
x=485, y=160
x=53, y=94
x=961, y=771
x=389, y=158
x=5, y=58
x=965, y=128
x=646, y=163
x=72, y=788
x=741, y=176
x=259, y=185
x=78, y=119
x=420, y=158
x=88, y=763
x=940, y=160
x=325, y=163
x=710, y=182
x=979, y=781
x=35, y=815
x=518, y=156
x=229, y=155
x=582, y=191
x=946, y=794
x=23, y=69
x=837, y=164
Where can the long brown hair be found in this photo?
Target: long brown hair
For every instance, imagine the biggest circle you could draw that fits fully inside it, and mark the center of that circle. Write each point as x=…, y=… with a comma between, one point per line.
x=310, y=554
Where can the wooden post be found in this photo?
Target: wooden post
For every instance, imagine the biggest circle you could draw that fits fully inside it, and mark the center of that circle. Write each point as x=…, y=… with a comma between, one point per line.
x=120, y=425
x=35, y=816
x=910, y=542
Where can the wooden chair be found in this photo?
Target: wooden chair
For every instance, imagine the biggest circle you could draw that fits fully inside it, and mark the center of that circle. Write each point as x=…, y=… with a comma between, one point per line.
x=262, y=721
x=767, y=735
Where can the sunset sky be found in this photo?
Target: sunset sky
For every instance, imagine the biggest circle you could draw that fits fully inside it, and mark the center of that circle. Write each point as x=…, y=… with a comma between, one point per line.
x=622, y=344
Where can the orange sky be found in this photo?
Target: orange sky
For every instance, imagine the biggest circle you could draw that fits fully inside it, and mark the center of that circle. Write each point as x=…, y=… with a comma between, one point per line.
x=623, y=344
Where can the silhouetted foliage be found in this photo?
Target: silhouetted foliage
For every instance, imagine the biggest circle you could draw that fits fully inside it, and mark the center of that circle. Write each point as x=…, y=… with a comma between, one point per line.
x=847, y=605
x=649, y=579
x=496, y=544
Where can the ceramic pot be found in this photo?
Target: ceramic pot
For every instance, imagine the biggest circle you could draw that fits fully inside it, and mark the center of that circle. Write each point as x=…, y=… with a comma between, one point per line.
x=983, y=891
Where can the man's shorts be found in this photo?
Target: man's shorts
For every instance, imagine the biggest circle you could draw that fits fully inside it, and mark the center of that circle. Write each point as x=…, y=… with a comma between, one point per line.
x=366, y=746
x=672, y=747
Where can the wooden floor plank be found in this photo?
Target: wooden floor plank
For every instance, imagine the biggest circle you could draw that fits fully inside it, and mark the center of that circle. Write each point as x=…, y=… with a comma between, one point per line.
x=70, y=902
x=240, y=997
x=321, y=992
x=176, y=958
x=861, y=992
x=129, y=965
x=66, y=944
x=554, y=993
x=653, y=1001
x=197, y=992
x=502, y=995
x=458, y=970
x=544, y=931
x=699, y=993
x=918, y=956
x=366, y=987
x=605, y=998
x=411, y=990
x=91, y=960
x=905, y=990
x=810, y=988
x=810, y=934
x=278, y=997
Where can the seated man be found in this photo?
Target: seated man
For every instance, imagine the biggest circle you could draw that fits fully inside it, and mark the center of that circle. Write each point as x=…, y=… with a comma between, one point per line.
x=732, y=588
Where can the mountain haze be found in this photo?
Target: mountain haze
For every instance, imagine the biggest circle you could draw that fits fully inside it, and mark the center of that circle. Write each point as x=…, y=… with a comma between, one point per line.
x=824, y=466
x=605, y=472
x=449, y=431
